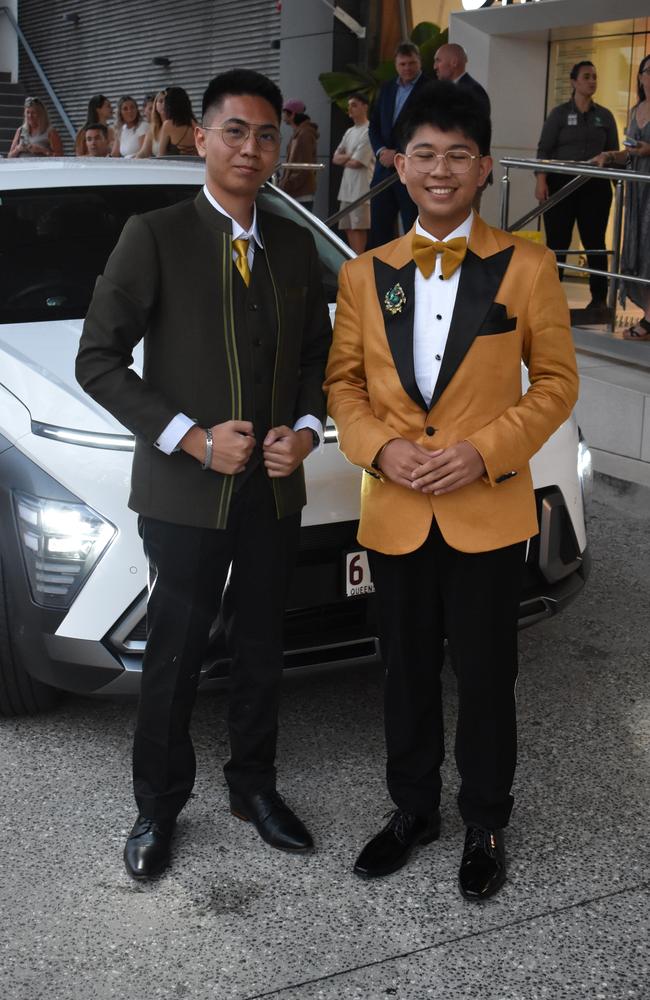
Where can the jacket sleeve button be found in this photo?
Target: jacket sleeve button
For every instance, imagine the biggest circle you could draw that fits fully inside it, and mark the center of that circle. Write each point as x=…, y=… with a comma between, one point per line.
x=430, y=431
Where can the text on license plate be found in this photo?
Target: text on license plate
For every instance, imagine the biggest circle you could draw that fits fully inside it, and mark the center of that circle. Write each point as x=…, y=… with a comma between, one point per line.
x=358, y=580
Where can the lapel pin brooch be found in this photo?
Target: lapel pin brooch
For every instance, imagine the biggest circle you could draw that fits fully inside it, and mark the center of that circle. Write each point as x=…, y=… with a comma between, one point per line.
x=395, y=299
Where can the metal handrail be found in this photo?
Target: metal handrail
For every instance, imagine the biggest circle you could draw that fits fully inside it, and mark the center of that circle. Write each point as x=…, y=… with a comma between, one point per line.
x=551, y=202
x=40, y=71
x=302, y=166
x=581, y=172
x=376, y=189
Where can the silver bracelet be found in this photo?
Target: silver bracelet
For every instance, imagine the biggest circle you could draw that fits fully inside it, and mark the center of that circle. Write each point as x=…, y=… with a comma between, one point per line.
x=208, y=449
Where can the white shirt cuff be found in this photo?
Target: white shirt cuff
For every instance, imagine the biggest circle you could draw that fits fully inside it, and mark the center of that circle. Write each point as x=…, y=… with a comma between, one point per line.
x=175, y=430
x=315, y=425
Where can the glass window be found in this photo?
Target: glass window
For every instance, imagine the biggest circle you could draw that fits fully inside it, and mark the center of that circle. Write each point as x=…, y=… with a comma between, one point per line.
x=55, y=242
x=331, y=254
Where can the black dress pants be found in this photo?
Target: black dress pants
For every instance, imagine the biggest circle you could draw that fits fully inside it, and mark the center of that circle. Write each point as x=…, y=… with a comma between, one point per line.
x=588, y=206
x=386, y=206
x=472, y=599
x=188, y=570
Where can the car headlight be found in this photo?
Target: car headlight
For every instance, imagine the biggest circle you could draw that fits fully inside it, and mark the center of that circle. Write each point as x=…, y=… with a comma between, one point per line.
x=61, y=544
x=585, y=471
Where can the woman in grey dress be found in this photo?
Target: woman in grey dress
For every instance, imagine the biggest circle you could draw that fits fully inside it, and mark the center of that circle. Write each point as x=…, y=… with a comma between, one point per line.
x=636, y=244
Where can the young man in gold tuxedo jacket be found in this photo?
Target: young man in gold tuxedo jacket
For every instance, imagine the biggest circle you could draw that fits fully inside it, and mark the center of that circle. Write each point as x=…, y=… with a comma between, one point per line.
x=424, y=385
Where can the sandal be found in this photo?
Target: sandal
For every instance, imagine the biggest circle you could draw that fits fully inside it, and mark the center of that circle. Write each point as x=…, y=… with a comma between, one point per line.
x=640, y=331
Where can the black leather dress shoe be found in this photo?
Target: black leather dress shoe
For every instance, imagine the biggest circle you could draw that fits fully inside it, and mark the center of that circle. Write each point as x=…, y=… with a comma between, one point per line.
x=391, y=848
x=273, y=820
x=146, y=852
x=483, y=868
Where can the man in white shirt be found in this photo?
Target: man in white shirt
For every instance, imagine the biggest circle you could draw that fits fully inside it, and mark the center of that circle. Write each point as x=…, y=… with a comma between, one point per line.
x=424, y=385
x=229, y=304
x=354, y=153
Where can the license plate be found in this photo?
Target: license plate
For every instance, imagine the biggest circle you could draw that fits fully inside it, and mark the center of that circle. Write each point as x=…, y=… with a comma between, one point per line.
x=358, y=581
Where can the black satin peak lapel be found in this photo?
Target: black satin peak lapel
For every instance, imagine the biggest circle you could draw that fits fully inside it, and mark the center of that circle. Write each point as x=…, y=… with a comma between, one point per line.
x=399, y=325
x=479, y=283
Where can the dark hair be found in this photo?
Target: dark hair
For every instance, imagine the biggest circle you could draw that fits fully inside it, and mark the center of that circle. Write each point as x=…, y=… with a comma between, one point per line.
x=94, y=104
x=407, y=49
x=99, y=126
x=120, y=104
x=148, y=97
x=178, y=106
x=359, y=97
x=445, y=106
x=642, y=91
x=299, y=117
x=575, y=72
x=241, y=82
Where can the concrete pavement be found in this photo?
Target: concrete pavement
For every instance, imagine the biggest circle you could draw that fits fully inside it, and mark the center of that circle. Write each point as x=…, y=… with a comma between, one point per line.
x=234, y=920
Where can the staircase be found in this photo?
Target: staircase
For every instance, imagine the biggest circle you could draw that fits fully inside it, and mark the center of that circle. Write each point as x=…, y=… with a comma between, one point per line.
x=12, y=99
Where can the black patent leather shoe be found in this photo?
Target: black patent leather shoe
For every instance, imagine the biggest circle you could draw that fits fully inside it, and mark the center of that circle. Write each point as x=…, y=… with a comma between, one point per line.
x=483, y=868
x=273, y=819
x=392, y=847
x=146, y=852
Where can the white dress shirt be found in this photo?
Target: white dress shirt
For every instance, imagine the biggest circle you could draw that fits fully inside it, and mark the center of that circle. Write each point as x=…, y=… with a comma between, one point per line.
x=434, y=307
x=178, y=427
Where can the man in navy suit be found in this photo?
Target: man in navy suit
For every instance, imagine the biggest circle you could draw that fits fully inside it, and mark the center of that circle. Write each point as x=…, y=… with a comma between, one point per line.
x=450, y=63
x=394, y=97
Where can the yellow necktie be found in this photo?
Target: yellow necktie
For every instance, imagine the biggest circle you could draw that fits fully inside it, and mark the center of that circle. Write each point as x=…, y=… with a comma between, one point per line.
x=241, y=249
x=425, y=252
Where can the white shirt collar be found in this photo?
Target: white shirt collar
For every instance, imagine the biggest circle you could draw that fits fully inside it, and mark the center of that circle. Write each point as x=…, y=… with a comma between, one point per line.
x=238, y=232
x=464, y=229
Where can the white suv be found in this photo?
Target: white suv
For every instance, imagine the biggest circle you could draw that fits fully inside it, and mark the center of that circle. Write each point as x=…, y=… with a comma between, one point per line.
x=72, y=571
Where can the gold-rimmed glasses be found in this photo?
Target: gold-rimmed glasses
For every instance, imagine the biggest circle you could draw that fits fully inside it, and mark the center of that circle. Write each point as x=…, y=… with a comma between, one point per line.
x=235, y=133
x=458, y=161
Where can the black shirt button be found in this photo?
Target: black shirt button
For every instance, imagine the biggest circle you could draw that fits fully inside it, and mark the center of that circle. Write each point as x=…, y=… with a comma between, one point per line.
x=438, y=316
x=257, y=342
x=253, y=306
x=438, y=358
x=441, y=277
x=430, y=431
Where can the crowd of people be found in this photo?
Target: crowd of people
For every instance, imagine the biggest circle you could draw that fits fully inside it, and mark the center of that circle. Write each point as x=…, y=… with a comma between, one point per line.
x=578, y=130
x=163, y=125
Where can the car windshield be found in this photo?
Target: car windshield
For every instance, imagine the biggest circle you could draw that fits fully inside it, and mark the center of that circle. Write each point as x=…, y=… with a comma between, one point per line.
x=55, y=242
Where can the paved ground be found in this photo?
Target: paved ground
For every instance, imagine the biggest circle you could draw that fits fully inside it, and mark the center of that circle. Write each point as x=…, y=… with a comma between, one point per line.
x=235, y=920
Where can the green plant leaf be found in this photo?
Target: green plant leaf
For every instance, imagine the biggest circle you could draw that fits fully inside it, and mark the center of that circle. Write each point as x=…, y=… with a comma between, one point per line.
x=424, y=31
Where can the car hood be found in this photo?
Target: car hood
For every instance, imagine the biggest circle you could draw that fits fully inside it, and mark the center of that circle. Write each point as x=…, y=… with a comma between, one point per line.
x=37, y=366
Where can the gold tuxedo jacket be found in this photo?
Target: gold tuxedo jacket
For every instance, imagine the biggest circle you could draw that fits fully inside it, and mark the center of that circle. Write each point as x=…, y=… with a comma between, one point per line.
x=510, y=307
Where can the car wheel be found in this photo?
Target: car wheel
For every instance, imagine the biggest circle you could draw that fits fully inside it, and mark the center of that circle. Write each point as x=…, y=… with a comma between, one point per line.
x=20, y=694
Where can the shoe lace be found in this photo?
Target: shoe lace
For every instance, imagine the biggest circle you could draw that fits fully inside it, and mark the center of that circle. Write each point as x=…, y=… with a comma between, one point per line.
x=400, y=823
x=485, y=840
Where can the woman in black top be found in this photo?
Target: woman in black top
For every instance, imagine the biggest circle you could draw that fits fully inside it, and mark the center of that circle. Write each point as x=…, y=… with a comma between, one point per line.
x=579, y=130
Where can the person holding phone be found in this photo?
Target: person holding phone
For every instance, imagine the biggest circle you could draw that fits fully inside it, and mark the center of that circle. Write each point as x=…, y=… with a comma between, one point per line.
x=636, y=156
x=579, y=130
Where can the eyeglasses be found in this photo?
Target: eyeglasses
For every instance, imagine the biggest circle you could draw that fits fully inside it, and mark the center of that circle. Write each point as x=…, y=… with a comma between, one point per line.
x=29, y=101
x=235, y=133
x=458, y=161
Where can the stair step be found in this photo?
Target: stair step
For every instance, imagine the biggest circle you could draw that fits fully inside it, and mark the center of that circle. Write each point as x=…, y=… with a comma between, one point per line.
x=12, y=90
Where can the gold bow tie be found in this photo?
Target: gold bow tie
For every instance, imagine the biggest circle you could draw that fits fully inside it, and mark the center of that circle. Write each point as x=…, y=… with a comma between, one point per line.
x=425, y=252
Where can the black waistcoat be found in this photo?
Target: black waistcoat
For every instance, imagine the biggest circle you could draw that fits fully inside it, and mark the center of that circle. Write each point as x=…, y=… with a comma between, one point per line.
x=256, y=334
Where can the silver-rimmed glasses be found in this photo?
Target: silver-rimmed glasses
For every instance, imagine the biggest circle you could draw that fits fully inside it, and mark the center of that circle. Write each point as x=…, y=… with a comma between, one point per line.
x=235, y=133
x=458, y=161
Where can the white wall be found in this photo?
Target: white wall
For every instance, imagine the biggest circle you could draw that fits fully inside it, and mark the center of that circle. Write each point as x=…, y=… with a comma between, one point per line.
x=306, y=50
x=9, y=41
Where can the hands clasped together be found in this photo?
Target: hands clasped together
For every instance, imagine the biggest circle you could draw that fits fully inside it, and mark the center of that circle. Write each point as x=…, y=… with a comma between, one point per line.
x=437, y=472
x=233, y=443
